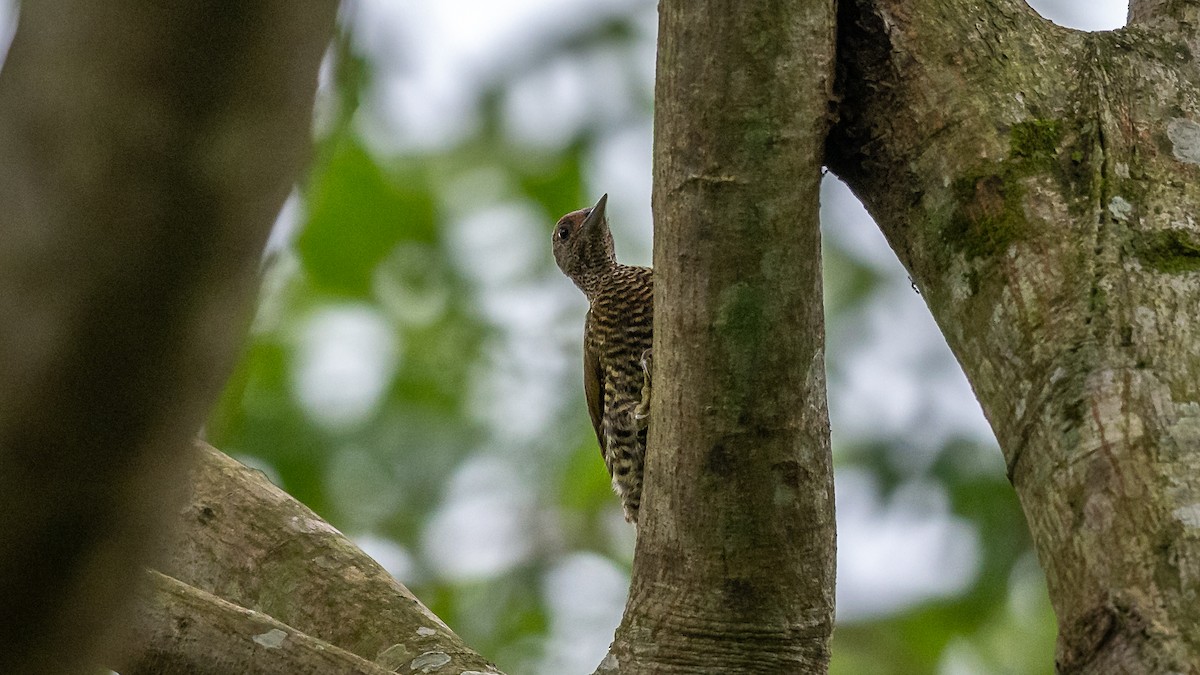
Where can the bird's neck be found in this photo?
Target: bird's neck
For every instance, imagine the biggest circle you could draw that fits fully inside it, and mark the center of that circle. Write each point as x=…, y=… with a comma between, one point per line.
x=593, y=279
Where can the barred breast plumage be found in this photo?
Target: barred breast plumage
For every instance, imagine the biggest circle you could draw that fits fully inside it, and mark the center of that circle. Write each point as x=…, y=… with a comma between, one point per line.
x=618, y=334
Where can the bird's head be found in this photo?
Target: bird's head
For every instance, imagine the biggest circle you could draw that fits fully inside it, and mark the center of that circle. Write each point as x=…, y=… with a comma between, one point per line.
x=583, y=244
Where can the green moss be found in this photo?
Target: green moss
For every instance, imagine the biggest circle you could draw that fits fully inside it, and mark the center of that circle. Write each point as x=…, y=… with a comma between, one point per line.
x=988, y=206
x=988, y=216
x=1035, y=140
x=740, y=322
x=1170, y=251
x=740, y=316
x=1061, y=150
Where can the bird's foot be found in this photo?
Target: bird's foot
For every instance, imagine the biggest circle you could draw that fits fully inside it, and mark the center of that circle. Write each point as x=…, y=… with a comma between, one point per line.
x=643, y=409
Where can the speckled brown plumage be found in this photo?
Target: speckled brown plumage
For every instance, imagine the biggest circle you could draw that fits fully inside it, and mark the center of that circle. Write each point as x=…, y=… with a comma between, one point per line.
x=617, y=338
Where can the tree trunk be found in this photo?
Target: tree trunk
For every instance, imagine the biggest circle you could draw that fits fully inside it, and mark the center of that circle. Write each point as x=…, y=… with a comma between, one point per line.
x=1041, y=185
x=147, y=149
x=734, y=566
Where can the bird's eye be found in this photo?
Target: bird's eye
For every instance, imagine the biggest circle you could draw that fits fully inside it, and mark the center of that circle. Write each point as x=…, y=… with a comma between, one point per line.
x=563, y=232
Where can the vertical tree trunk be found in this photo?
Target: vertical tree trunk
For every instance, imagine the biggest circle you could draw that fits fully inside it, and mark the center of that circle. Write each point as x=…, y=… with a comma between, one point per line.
x=734, y=566
x=146, y=150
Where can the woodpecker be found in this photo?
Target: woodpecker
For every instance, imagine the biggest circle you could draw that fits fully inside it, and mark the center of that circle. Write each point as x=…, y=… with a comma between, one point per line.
x=617, y=339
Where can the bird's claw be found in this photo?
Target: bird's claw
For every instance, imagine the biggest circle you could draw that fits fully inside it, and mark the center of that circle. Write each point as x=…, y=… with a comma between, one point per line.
x=643, y=409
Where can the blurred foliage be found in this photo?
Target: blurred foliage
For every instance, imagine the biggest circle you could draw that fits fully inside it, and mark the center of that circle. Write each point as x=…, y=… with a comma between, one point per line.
x=380, y=235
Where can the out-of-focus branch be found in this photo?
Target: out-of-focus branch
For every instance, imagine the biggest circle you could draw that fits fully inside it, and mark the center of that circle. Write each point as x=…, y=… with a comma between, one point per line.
x=245, y=540
x=181, y=629
x=147, y=148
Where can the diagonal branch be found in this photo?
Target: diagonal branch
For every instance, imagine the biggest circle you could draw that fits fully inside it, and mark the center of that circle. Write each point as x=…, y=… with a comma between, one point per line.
x=248, y=542
x=181, y=629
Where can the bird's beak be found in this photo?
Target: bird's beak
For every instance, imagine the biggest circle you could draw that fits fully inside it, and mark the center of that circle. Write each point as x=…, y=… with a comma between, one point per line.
x=597, y=213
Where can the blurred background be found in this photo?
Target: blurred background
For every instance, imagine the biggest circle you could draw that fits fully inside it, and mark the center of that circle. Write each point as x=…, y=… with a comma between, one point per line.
x=414, y=368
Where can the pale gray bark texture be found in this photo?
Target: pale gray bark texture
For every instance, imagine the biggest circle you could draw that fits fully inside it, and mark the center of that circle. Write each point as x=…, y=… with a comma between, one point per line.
x=146, y=150
x=734, y=566
x=1042, y=186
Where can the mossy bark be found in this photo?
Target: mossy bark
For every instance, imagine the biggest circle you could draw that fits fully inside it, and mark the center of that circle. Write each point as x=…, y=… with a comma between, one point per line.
x=1041, y=185
x=734, y=566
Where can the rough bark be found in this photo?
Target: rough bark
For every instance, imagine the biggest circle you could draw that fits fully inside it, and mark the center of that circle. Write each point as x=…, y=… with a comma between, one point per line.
x=147, y=148
x=246, y=541
x=1041, y=185
x=1174, y=14
x=734, y=565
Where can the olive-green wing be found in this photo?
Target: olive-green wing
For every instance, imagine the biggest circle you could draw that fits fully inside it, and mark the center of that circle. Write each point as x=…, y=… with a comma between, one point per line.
x=593, y=387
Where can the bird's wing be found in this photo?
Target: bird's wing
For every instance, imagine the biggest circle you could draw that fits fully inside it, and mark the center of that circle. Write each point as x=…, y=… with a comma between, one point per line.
x=593, y=386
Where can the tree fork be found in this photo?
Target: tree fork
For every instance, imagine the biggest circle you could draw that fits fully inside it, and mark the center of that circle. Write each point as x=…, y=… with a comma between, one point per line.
x=1040, y=186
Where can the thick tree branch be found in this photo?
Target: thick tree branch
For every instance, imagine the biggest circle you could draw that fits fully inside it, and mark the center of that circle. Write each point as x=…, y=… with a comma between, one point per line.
x=1177, y=14
x=147, y=148
x=181, y=629
x=733, y=571
x=248, y=542
x=1041, y=186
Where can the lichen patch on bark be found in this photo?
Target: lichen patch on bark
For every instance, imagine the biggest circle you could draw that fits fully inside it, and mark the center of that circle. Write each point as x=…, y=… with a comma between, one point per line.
x=1184, y=135
x=271, y=639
